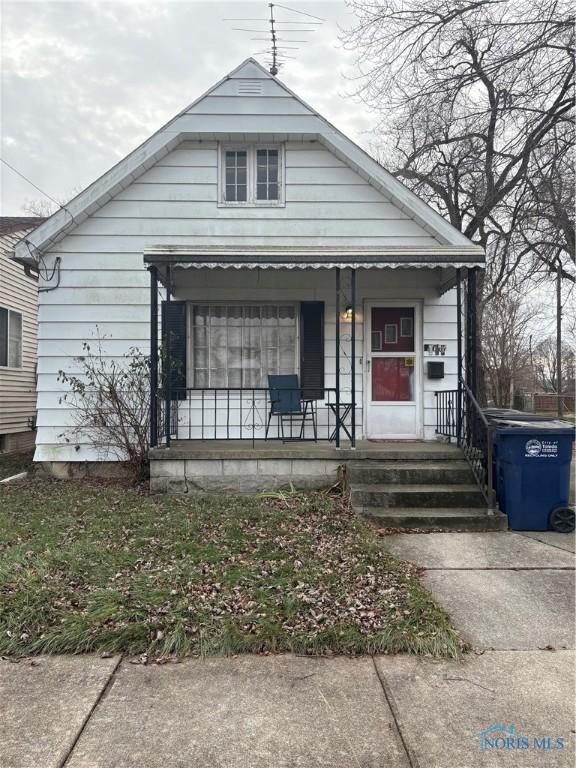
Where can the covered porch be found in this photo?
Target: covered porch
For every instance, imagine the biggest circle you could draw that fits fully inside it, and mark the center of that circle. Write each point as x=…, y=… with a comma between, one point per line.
x=327, y=296
x=221, y=427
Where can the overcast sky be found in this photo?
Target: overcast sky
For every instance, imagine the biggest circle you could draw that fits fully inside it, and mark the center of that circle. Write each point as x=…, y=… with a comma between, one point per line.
x=83, y=83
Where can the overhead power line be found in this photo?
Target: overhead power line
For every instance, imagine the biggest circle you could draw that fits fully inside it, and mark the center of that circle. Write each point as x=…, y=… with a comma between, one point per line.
x=22, y=176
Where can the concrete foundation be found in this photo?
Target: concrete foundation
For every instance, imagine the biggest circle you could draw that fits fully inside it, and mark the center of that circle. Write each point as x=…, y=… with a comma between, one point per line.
x=77, y=470
x=236, y=466
x=240, y=475
x=18, y=442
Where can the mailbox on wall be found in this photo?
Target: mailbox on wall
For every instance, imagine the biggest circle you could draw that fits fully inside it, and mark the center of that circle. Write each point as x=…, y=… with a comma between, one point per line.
x=435, y=369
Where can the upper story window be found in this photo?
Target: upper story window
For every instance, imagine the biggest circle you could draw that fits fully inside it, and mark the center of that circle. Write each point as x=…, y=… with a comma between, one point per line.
x=236, y=162
x=267, y=174
x=252, y=175
x=10, y=338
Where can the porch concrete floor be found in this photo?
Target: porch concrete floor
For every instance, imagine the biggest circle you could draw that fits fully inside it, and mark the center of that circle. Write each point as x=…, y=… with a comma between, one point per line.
x=276, y=449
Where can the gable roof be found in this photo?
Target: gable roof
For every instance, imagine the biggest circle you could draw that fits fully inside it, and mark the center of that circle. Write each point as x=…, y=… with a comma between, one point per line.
x=13, y=229
x=10, y=224
x=220, y=114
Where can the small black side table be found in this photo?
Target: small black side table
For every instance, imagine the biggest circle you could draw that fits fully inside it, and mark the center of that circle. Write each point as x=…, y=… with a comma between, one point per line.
x=345, y=411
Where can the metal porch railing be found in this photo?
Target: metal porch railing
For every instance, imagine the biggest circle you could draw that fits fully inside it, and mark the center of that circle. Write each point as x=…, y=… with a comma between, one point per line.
x=244, y=413
x=459, y=417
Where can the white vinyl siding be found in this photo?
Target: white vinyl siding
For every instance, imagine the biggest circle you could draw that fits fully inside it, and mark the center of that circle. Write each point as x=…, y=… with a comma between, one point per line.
x=174, y=199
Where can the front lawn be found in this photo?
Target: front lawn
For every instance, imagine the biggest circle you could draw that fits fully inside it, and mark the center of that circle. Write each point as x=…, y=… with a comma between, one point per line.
x=88, y=566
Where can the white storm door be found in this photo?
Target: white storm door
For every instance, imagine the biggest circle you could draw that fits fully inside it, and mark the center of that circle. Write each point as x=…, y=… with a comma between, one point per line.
x=393, y=375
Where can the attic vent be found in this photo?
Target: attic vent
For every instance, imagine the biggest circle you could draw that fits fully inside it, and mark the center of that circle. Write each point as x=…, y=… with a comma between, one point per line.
x=250, y=88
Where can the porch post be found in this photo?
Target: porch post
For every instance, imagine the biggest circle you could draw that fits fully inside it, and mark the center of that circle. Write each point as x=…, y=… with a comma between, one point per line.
x=153, y=356
x=459, y=355
x=353, y=353
x=471, y=333
x=168, y=364
x=337, y=357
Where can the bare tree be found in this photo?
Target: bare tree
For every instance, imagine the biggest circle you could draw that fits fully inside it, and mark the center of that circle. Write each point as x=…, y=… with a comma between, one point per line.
x=545, y=367
x=506, y=347
x=39, y=207
x=45, y=207
x=471, y=96
x=476, y=99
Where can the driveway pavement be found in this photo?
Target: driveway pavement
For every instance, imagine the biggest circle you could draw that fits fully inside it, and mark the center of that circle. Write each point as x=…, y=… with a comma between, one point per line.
x=510, y=596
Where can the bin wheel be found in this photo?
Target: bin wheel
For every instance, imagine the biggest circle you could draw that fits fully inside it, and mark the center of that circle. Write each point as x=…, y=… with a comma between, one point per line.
x=562, y=519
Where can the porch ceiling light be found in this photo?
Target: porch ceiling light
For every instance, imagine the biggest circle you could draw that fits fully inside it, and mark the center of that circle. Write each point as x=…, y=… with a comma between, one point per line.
x=347, y=314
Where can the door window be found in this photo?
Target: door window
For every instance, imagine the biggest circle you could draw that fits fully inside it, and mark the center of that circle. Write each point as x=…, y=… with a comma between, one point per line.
x=392, y=337
x=393, y=329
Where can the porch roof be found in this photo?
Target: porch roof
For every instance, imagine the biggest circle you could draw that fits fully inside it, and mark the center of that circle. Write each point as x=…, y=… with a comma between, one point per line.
x=312, y=257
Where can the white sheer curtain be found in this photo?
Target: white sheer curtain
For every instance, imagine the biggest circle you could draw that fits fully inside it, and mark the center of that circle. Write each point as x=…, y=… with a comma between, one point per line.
x=238, y=345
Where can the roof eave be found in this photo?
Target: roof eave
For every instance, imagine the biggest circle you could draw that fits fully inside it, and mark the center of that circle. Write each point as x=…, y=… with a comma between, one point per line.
x=441, y=256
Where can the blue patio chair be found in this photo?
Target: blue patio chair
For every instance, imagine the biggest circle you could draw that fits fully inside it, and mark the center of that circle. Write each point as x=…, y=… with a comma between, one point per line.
x=287, y=404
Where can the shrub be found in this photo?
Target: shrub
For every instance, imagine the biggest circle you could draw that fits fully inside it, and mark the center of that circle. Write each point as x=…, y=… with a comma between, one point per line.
x=110, y=401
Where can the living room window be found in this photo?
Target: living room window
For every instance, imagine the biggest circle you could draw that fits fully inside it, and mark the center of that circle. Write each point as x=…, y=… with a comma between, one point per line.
x=251, y=175
x=238, y=345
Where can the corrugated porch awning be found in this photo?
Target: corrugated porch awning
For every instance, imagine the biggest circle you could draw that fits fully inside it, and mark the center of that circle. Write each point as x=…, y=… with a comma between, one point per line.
x=315, y=257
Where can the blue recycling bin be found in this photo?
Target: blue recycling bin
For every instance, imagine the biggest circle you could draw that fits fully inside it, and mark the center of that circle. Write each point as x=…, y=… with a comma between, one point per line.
x=533, y=473
x=495, y=415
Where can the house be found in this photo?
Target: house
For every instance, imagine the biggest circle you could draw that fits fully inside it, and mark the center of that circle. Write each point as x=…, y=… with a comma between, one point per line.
x=274, y=246
x=18, y=328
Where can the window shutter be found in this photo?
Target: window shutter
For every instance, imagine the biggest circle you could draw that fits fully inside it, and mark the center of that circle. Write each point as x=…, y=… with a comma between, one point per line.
x=312, y=349
x=174, y=323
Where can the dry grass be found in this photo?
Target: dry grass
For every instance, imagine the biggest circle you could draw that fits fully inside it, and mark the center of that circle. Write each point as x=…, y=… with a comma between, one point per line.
x=100, y=567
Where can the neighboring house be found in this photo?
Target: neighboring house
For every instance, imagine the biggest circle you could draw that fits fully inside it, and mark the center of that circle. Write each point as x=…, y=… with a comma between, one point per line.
x=284, y=249
x=18, y=329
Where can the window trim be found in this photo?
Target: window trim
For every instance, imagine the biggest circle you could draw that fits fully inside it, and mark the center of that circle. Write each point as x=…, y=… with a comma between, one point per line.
x=240, y=302
x=251, y=199
x=8, y=367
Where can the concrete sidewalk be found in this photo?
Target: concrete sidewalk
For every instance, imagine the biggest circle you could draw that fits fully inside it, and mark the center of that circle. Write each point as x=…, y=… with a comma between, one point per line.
x=503, y=590
x=296, y=712
x=511, y=596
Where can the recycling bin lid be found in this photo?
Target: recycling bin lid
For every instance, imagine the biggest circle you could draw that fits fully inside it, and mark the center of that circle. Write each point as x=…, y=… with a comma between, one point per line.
x=550, y=425
x=511, y=413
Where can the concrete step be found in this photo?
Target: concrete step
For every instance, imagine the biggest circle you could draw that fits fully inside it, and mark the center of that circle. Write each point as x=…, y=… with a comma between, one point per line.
x=410, y=472
x=459, y=519
x=416, y=496
x=412, y=452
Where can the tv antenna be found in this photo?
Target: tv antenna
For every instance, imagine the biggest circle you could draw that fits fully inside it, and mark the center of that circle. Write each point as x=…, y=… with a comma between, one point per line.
x=273, y=29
